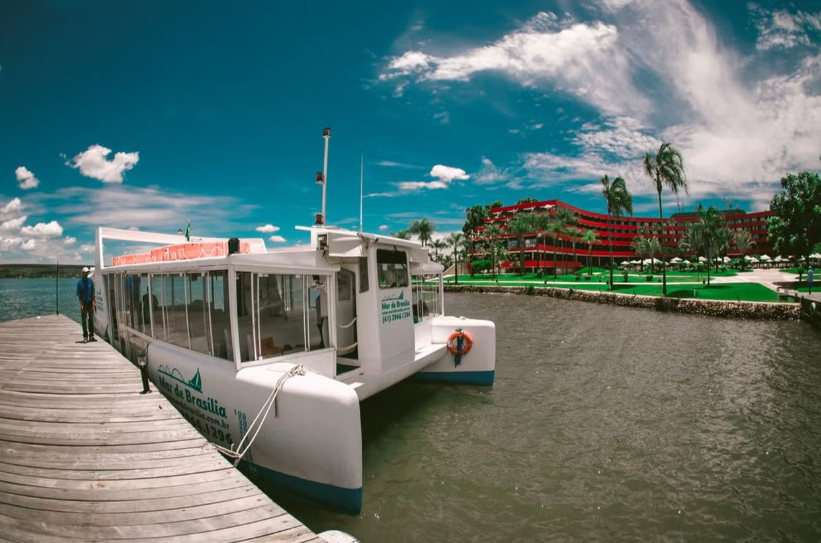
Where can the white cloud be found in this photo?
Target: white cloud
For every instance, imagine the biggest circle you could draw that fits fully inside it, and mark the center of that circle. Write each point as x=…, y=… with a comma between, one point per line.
x=26, y=178
x=392, y=164
x=11, y=209
x=43, y=230
x=383, y=227
x=410, y=186
x=489, y=173
x=29, y=245
x=276, y=239
x=93, y=163
x=13, y=225
x=267, y=229
x=7, y=244
x=447, y=174
x=781, y=29
x=69, y=240
x=86, y=249
x=567, y=56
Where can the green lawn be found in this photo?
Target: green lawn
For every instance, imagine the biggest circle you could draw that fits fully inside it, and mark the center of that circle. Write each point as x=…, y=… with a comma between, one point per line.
x=744, y=292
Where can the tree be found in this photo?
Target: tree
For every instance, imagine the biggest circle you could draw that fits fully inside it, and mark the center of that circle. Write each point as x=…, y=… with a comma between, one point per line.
x=589, y=237
x=402, y=234
x=553, y=228
x=564, y=217
x=456, y=240
x=619, y=201
x=492, y=232
x=527, y=200
x=520, y=226
x=640, y=247
x=713, y=226
x=424, y=228
x=795, y=227
x=438, y=245
x=540, y=223
x=574, y=234
x=665, y=168
x=743, y=240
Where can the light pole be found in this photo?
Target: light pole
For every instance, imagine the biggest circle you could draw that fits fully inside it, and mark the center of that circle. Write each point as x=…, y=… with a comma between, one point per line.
x=326, y=134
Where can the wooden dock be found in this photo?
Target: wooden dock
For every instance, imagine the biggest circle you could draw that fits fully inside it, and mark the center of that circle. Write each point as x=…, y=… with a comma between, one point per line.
x=85, y=456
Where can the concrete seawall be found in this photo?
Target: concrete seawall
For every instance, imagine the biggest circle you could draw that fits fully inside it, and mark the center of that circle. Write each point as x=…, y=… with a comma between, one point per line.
x=712, y=308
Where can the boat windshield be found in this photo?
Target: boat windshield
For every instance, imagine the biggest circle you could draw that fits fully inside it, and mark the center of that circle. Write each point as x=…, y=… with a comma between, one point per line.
x=426, y=300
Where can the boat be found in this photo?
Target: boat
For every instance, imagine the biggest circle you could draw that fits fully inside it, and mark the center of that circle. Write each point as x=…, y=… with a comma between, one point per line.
x=269, y=353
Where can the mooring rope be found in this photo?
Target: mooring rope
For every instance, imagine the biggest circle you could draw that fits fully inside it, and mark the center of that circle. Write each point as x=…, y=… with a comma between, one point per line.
x=263, y=412
x=347, y=325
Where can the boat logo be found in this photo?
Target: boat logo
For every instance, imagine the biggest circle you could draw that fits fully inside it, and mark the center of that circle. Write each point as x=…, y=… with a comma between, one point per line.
x=395, y=308
x=400, y=296
x=195, y=382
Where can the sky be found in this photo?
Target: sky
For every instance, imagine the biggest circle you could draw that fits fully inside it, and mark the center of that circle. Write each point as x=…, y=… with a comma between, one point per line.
x=150, y=114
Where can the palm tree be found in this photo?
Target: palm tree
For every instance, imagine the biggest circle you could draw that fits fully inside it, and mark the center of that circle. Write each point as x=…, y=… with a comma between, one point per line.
x=710, y=223
x=619, y=201
x=521, y=225
x=564, y=217
x=743, y=240
x=589, y=237
x=553, y=228
x=438, y=245
x=639, y=246
x=402, y=234
x=492, y=232
x=456, y=240
x=574, y=234
x=424, y=228
x=540, y=223
x=665, y=168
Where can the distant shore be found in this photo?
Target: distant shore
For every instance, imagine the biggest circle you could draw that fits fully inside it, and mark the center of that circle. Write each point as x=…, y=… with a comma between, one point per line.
x=712, y=308
x=40, y=271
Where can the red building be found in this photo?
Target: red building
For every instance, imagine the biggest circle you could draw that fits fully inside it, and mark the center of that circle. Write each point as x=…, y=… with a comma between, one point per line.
x=572, y=253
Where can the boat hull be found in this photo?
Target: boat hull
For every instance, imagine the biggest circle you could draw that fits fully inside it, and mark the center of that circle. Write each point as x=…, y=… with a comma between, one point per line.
x=310, y=441
x=476, y=367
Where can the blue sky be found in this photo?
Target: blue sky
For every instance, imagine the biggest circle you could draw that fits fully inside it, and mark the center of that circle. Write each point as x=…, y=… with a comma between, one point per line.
x=145, y=114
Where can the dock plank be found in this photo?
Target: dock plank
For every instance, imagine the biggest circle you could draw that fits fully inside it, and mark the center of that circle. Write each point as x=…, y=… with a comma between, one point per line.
x=85, y=456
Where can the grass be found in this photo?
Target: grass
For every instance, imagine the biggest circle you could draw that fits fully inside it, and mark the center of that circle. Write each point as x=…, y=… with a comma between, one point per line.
x=638, y=285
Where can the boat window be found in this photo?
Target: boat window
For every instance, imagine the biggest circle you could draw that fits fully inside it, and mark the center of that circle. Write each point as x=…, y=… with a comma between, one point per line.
x=132, y=299
x=158, y=305
x=176, y=310
x=426, y=301
x=363, y=274
x=198, y=312
x=318, y=316
x=220, y=320
x=277, y=322
x=392, y=267
x=143, y=320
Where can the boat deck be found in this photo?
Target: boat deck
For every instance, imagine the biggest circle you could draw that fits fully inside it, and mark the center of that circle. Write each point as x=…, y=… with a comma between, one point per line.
x=83, y=455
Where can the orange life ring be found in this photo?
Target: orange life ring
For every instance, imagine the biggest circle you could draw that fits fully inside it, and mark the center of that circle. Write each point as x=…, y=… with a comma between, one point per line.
x=453, y=343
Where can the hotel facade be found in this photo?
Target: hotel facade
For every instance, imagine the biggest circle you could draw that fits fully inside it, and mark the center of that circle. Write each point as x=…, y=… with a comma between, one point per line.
x=572, y=253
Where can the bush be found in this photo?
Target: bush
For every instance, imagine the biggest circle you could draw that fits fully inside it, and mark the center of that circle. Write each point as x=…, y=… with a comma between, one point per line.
x=578, y=276
x=530, y=290
x=649, y=278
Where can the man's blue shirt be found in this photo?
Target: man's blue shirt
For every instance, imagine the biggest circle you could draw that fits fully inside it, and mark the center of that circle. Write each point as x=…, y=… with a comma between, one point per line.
x=85, y=289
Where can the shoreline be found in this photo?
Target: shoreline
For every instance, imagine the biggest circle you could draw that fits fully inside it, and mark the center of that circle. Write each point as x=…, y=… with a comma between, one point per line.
x=711, y=308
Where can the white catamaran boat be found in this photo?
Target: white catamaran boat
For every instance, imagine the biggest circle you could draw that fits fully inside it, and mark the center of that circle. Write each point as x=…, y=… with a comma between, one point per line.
x=269, y=353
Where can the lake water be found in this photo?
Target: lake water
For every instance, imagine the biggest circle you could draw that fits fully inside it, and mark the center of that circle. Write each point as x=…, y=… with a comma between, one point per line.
x=23, y=298
x=605, y=424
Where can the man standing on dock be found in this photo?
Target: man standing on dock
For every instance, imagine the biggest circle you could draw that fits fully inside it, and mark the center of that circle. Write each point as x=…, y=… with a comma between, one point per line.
x=85, y=292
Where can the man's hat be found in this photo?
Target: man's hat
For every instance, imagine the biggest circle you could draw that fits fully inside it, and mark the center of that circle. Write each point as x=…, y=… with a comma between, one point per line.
x=85, y=270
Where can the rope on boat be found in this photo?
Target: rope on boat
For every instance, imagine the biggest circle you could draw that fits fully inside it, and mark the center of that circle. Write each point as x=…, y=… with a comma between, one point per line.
x=299, y=369
x=347, y=325
x=348, y=347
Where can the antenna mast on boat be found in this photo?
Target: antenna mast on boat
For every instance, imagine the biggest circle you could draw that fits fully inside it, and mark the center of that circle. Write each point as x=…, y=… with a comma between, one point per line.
x=326, y=133
x=361, y=182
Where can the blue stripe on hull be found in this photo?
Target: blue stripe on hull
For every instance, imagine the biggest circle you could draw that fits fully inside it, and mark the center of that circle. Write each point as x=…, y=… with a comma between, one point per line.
x=484, y=378
x=347, y=500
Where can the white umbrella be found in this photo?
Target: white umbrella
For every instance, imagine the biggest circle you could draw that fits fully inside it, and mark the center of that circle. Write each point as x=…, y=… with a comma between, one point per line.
x=765, y=258
x=635, y=262
x=624, y=263
x=687, y=262
x=753, y=260
x=726, y=259
x=702, y=259
x=778, y=258
x=815, y=255
x=675, y=260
